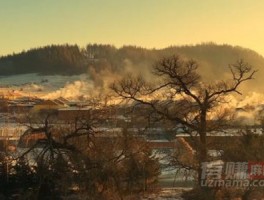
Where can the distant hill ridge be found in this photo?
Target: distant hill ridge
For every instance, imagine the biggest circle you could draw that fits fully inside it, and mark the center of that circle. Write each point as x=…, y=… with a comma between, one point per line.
x=71, y=59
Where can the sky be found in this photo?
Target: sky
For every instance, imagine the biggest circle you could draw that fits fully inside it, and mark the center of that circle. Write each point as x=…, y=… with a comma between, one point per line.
x=148, y=23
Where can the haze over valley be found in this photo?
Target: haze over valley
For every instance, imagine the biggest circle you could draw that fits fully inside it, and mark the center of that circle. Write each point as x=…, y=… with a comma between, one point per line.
x=78, y=73
x=131, y=100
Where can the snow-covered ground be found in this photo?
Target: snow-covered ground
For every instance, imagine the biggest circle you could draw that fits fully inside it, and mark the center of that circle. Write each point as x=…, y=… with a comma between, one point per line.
x=48, y=86
x=166, y=194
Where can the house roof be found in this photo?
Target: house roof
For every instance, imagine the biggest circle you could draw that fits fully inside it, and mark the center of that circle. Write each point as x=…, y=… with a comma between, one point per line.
x=50, y=103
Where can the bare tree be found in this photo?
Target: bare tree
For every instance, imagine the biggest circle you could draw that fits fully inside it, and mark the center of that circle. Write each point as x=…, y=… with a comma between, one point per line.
x=180, y=96
x=75, y=151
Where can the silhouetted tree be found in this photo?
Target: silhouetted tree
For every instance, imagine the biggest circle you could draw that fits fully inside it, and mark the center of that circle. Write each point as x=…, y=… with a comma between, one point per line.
x=74, y=157
x=182, y=98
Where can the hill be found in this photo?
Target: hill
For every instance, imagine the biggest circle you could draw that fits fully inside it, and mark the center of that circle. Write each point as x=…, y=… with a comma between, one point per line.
x=53, y=59
x=99, y=60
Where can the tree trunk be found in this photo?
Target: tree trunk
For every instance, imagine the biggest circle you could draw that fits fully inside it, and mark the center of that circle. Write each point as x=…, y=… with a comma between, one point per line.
x=203, y=144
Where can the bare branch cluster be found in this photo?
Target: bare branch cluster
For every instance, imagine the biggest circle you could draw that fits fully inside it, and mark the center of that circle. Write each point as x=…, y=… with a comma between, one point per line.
x=181, y=97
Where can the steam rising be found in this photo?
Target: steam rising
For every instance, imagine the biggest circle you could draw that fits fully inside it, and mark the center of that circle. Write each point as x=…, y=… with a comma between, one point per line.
x=74, y=90
x=247, y=108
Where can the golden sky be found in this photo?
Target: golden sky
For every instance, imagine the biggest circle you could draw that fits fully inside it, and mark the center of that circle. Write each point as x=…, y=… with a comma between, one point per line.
x=147, y=23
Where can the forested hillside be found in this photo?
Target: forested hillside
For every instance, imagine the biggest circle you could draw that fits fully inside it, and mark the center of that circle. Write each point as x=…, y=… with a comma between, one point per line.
x=64, y=59
x=71, y=59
